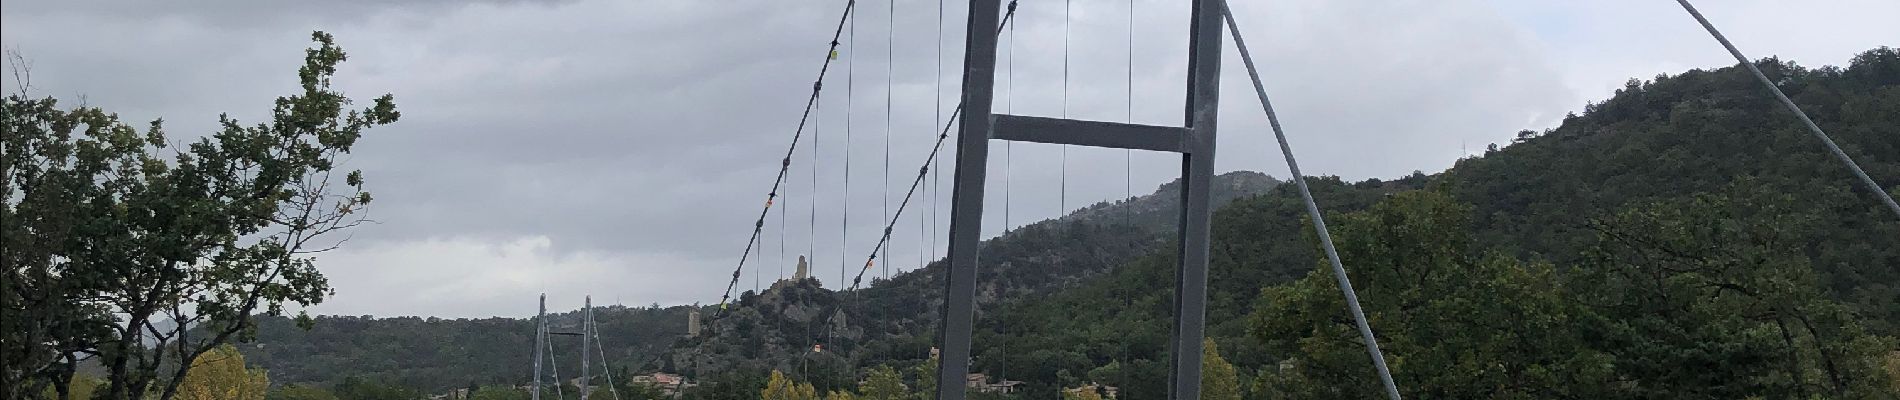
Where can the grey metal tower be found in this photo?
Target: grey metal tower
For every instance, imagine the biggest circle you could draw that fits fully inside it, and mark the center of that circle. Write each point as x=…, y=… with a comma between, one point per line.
x=587, y=329
x=1195, y=143
x=540, y=343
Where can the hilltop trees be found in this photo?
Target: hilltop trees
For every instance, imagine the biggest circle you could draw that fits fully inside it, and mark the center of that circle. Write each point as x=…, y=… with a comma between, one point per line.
x=147, y=262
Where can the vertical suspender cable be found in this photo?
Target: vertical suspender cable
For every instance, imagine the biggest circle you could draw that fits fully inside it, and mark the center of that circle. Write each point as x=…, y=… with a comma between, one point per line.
x=1128, y=156
x=1312, y=210
x=936, y=175
x=1865, y=180
x=850, y=83
x=811, y=227
x=923, y=230
x=781, y=253
x=1127, y=177
x=1062, y=202
x=890, y=60
x=1009, y=106
x=781, y=238
x=1009, y=156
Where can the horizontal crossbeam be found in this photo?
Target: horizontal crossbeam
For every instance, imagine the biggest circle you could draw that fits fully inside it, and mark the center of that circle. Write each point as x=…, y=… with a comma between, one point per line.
x=1087, y=133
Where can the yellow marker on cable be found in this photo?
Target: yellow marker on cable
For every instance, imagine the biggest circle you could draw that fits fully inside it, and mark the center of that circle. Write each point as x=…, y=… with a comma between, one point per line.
x=834, y=54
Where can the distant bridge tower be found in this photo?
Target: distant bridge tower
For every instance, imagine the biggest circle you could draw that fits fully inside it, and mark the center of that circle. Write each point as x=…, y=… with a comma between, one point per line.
x=587, y=332
x=540, y=343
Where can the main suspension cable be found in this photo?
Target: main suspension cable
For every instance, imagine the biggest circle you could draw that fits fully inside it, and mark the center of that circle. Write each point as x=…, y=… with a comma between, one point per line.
x=785, y=164
x=1312, y=210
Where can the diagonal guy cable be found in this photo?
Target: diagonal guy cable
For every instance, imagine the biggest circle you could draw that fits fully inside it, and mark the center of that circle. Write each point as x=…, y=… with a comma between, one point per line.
x=1319, y=223
x=1812, y=128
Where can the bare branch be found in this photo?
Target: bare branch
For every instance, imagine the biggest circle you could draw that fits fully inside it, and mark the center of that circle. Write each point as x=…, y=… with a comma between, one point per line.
x=22, y=71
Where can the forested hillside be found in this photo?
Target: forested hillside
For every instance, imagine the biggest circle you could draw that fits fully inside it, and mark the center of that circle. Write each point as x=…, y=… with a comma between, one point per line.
x=1697, y=181
x=435, y=354
x=1706, y=131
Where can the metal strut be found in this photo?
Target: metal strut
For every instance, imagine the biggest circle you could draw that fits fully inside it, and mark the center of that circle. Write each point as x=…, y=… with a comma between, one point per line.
x=1865, y=180
x=1195, y=143
x=1312, y=210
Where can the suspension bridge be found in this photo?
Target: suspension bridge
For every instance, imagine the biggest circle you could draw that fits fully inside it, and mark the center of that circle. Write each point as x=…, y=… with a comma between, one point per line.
x=976, y=124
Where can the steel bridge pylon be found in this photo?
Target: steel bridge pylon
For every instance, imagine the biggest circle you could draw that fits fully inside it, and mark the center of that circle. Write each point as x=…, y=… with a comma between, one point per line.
x=1195, y=143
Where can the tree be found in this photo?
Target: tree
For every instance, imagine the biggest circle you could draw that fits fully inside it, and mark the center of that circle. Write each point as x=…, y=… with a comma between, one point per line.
x=804, y=391
x=1714, y=298
x=1218, y=379
x=1893, y=370
x=220, y=375
x=1109, y=374
x=149, y=263
x=299, y=392
x=354, y=388
x=503, y=393
x=839, y=395
x=884, y=383
x=639, y=391
x=82, y=387
x=1085, y=393
x=1467, y=324
x=926, y=379
x=780, y=387
x=49, y=179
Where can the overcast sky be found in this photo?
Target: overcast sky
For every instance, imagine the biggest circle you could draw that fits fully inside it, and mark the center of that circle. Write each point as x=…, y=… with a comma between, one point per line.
x=622, y=147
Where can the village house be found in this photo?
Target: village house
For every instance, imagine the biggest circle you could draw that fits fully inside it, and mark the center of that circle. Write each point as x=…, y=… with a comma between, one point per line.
x=981, y=383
